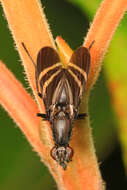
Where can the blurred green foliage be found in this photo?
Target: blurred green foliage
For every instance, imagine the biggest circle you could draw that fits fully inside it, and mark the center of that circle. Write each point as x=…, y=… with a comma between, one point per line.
x=20, y=167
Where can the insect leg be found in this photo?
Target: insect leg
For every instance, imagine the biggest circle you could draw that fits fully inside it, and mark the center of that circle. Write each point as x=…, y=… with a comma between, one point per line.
x=82, y=116
x=42, y=115
x=91, y=44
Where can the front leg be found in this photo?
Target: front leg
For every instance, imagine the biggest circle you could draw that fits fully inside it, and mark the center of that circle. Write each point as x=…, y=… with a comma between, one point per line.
x=39, y=94
x=81, y=116
x=44, y=116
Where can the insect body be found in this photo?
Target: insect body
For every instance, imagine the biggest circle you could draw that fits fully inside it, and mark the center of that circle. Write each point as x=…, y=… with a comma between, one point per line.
x=61, y=89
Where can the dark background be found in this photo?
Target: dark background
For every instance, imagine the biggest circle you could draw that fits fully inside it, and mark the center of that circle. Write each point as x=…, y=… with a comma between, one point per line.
x=20, y=167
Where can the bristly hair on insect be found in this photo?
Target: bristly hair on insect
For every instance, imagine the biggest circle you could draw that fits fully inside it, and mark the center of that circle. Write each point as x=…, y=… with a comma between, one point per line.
x=61, y=90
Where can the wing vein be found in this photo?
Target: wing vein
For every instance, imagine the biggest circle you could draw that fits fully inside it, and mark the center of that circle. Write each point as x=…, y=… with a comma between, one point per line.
x=48, y=69
x=49, y=81
x=79, y=69
x=76, y=80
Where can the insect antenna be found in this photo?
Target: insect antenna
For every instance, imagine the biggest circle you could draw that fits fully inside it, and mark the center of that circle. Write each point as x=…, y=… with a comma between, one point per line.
x=26, y=50
x=28, y=54
x=91, y=44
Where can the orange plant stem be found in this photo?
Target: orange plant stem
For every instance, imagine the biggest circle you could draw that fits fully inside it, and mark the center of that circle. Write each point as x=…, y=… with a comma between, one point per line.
x=20, y=106
x=102, y=29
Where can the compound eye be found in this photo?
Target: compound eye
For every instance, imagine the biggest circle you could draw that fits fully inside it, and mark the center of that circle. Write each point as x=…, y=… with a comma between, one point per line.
x=69, y=154
x=53, y=153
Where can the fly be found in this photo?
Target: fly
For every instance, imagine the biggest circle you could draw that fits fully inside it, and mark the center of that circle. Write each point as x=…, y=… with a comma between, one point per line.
x=61, y=90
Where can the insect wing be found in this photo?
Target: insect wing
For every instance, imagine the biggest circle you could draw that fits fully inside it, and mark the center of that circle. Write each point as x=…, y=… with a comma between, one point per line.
x=47, y=73
x=78, y=69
